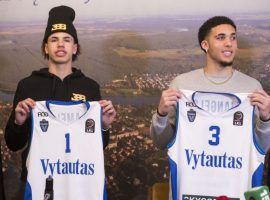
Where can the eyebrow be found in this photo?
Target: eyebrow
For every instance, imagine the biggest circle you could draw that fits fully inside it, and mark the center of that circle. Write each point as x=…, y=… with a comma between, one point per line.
x=66, y=37
x=223, y=34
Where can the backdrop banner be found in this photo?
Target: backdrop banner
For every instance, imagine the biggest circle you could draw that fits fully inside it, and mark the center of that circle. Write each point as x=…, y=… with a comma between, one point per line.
x=133, y=49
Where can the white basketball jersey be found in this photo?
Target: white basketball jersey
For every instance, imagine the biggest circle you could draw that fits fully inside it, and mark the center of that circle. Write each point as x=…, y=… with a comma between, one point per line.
x=66, y=144
x=214, y=151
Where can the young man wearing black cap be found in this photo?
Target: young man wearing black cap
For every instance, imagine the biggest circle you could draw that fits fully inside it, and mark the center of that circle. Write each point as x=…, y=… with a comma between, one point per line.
x=217, y=38
x=60, y=81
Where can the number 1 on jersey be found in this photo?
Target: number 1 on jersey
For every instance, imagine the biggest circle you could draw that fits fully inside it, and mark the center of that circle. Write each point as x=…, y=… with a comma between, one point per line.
x=67, y=136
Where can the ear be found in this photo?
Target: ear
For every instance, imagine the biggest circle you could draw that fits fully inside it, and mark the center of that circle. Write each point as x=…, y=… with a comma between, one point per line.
x=74, y=50
x=46, y=48
x=204, y=45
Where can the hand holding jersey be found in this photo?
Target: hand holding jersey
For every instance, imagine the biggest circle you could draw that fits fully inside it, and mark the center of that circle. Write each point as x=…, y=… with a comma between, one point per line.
x=262, y=100
x=22, y=112
x=214, y=144
x=258, y=98
x=74, y=159
x=108, y=113
x=168, y=99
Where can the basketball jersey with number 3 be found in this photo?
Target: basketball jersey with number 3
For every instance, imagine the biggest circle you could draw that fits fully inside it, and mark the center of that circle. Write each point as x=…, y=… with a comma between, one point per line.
x=214, y=151
x=66, y=144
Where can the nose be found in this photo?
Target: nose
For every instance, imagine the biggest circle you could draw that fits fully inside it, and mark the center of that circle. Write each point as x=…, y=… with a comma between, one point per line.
x=228, y=42
x=60, y=43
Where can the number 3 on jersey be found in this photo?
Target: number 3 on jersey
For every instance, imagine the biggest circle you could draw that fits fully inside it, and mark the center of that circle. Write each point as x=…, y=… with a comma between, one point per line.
x=215, y=131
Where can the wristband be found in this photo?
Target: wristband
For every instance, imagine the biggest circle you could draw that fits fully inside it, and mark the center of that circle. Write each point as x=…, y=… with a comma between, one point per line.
x=105, y=129
x=161, y=115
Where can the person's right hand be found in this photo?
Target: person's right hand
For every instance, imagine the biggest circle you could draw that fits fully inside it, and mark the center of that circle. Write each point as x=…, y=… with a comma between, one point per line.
x=22, y=110
x=168, y=98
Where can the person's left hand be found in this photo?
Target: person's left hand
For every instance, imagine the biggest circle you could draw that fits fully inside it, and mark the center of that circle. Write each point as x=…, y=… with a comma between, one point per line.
x=108, y=113
x=261, y=99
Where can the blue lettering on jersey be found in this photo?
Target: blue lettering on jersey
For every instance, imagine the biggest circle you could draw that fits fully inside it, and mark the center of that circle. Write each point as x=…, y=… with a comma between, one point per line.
x=208, y=160
x=79, y=168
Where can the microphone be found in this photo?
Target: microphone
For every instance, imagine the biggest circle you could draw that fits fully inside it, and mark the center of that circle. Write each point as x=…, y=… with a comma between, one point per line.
x=48, y=193
x=223, y=197
x=258, y=193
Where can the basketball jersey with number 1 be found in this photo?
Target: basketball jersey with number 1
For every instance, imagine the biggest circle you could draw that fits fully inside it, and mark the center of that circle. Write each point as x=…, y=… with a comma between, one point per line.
x=214, y=151
x=66, y=144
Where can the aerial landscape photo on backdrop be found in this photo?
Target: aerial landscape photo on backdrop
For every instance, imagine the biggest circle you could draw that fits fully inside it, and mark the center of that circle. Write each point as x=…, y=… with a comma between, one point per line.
x=133, y=59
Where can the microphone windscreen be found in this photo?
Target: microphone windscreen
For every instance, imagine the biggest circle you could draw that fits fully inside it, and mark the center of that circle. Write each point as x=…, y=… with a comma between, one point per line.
x=257, y=193
x=222, y=198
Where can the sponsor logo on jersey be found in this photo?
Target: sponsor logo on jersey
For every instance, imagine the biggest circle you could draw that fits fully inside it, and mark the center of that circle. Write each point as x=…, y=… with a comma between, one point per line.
x=190, y=104
x=78, y=97
x=191, y=115
x=238, y=118
x=199, y=197
x=42, y=114
x=89, y=126
x=44, y=124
